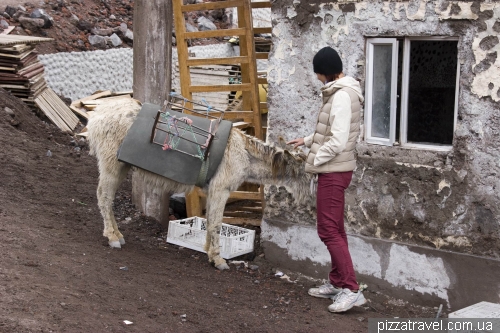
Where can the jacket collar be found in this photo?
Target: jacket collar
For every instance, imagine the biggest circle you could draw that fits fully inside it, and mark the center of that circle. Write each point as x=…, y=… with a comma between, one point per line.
x=328, y=90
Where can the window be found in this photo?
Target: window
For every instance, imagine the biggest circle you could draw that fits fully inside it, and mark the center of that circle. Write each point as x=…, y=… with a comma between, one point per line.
x=411, y=91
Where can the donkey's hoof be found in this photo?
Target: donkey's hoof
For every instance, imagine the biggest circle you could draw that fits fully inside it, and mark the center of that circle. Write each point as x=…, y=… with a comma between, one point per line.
x=115, y=245
x=122, y=241
x=222, y=266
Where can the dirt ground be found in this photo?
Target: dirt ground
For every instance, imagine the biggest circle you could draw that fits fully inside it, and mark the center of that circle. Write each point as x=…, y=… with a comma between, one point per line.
x=57, y=273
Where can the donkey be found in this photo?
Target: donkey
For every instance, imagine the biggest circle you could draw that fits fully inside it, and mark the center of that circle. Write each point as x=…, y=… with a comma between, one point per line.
x=246, y=159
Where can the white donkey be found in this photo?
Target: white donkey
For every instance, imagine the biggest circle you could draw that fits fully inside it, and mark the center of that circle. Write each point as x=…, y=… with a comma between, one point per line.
x=246, y=159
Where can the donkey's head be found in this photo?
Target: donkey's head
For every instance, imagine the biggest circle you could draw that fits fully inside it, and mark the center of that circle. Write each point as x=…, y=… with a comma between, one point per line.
x=288, y=168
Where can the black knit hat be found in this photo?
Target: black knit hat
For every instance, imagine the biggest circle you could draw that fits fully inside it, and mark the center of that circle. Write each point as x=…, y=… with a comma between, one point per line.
x=327, y=62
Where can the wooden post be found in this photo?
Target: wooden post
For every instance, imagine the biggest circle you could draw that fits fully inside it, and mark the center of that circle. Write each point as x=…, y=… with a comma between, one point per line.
x=152, y=83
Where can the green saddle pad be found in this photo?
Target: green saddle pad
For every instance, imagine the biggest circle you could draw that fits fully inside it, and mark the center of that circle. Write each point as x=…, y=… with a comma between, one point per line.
x=137, y=150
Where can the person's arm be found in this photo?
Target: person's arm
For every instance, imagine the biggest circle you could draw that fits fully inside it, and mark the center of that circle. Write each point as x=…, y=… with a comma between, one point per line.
x=308, y=140
x=340, y=120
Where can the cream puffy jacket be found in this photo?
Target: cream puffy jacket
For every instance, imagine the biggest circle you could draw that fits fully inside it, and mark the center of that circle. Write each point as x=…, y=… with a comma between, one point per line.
x=332, y=144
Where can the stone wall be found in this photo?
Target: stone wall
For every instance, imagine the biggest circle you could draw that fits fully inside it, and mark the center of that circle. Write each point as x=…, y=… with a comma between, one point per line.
x=436, y=199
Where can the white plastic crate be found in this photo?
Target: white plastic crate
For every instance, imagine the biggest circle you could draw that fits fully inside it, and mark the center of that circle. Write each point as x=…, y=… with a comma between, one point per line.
x=192, y=232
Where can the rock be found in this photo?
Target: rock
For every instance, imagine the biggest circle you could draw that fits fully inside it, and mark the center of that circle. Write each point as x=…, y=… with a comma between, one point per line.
x=40, y=13
x=115, y=40
x=123, y=28
x=253, y=267
x=18, y=14
x=84, y=25
x=74, y=19
x=21, y=8
x=217, y=14
x=9, y=112
x=31, y=23
x=102, y=32
x=112, y=17
x=10, y=11
x=191, y=28
x=4, y=24
x=97, y=41
x=82, y=142
x=129, y=36
x=205, y=24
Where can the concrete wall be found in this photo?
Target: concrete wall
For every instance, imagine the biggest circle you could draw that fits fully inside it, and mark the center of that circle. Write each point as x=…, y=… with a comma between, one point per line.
x=435, y=199
x=79, y=74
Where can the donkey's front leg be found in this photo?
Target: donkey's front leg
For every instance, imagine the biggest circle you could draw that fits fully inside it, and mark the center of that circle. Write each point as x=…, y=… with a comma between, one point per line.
x=216, y=202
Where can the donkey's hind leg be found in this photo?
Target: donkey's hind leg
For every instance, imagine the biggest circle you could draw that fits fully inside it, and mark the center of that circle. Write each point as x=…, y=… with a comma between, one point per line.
x=108, y=184
x=216, y=201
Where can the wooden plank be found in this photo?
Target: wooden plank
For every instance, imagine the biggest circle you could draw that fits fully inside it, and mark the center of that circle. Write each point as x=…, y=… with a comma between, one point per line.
x=15, y=56
x=255, y=209
x=222, y=87
x=245, y=115
x=79, y=112
x=262, y=80
x=215, y=33
x=6, y=40
x=262, y=55
x=47, y=110
x=263, y=30
x=261, y=4
x=112, y=98
x=241, y=125
x=211, y=5
x=8, y=30
x=243, y=195
x=216, y=61
x=126, y=92
x=77, y=102
x=242, y=221
x=62, y=109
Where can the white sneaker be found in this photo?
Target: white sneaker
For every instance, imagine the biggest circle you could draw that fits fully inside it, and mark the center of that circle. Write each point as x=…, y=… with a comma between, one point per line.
x=345, y=300
x=325, y=291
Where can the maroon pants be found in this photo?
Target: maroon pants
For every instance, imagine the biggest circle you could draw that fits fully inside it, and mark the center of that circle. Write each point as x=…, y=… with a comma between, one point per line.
x=330, y=211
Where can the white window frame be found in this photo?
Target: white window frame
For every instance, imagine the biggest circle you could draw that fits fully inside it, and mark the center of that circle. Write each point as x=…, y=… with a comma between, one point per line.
x=369, y=89
x=403, y=126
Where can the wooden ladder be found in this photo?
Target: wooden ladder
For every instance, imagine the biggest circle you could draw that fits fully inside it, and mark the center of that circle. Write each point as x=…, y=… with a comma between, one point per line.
x=251, y=117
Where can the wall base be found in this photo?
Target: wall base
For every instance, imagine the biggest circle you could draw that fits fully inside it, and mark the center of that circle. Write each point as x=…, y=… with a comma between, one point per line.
x=425, y=276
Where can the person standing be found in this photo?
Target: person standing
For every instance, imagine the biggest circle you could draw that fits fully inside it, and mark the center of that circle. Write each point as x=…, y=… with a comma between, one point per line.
x=332, y=158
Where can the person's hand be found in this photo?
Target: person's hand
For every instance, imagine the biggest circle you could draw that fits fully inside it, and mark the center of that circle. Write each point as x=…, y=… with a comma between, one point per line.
x=296, y=143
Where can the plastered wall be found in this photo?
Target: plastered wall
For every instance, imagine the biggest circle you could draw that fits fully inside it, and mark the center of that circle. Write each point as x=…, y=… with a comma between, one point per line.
x=78, y=74
x=440, y=199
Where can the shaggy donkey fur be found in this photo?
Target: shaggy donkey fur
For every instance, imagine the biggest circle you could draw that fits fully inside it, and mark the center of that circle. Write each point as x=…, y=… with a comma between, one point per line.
x=246, y=159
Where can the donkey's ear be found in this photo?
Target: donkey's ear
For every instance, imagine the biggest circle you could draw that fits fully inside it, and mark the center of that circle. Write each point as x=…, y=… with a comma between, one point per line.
x=281, y=142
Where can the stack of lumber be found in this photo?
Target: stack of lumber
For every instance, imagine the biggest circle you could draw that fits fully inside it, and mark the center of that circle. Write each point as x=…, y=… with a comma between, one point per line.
x=22, y=74
x=84, y=107
x=20, y=71
x=55, y=109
